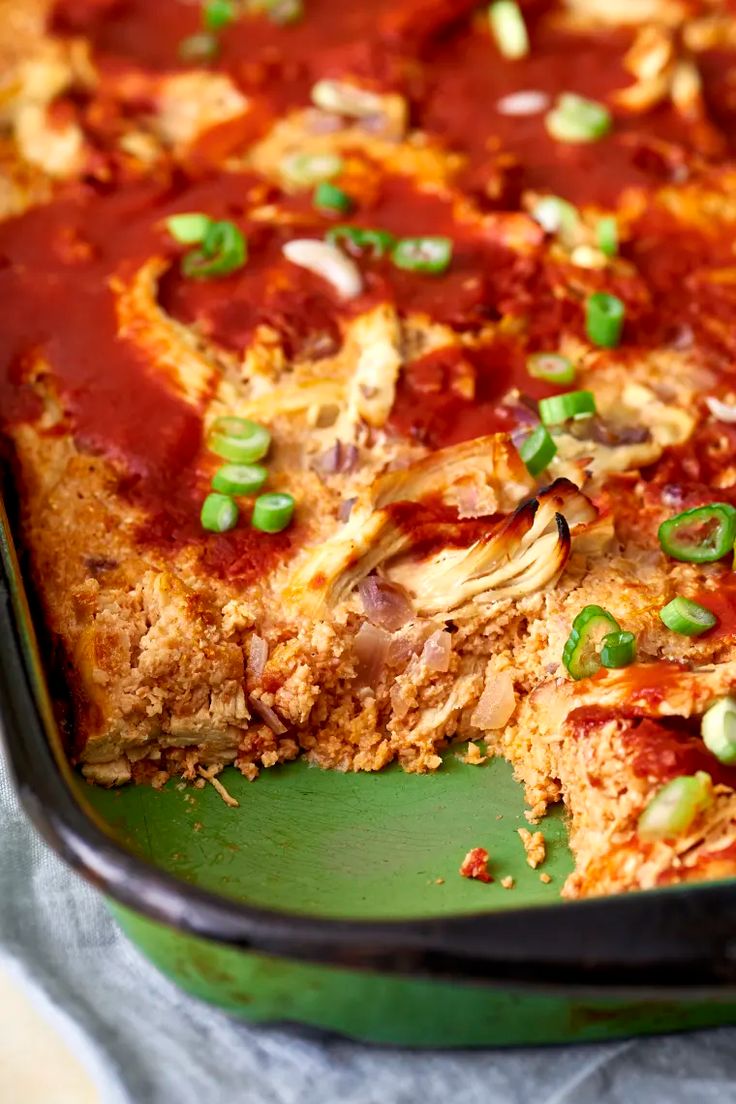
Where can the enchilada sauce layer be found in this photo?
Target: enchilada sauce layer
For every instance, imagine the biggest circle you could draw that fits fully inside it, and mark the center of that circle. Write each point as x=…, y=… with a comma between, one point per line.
x=56, y=262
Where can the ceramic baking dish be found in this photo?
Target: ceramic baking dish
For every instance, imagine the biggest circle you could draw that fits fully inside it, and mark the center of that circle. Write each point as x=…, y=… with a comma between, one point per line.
x=334, y=901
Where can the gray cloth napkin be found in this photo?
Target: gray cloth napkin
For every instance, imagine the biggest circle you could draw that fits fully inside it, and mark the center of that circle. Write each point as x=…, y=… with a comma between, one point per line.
x=147, y=1043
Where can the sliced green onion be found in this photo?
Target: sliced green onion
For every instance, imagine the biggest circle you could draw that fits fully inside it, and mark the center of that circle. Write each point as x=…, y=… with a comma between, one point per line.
x=509, y=29
x=702, y=535
x=359, y=242
x=305, y=169
x=430, y=255
x=604, y=319
x=239, y=440
x=718, y=729
x=218, y=13
x=537, y=450
x=201, y=47
x=189, y=229
x=618, y=649
x=272, y=512
x=283, y=12
x=606, y=234
x=575, y=119
x=560, y=408
x=675, y=806
x=687, y=618
x=555, y=214
x=239, y=479
x=331, y=198
x=223, y=250
x=581, y=654
x=219, y=513
x=552, y=367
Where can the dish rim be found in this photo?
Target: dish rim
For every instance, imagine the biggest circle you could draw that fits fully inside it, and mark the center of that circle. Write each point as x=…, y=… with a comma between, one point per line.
x=669, y=943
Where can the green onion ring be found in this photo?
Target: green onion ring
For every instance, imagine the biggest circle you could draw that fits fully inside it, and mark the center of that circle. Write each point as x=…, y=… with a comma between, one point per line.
x=576, y=119
x=360, y=242
x=219, y=513
x=223, y=250
x=561, y=408
x=217, y=14
x=718, y=729
x=618, y=649
x=552, y=367
x=606, y=234
x=328, y=197
x=675, y=806
x=198, y=48
x=509, y=29
x=702, y=535
x=188, y=228
x=238, y=439
x=581, y=654
x=272, y=512
x=687, y=618
x=604, y=319
x=239, y=479
x=537, y=450
x=431, y=255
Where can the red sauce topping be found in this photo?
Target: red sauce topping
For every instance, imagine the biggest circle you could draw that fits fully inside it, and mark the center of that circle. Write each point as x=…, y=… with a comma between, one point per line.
x=271, y=290
x=454, y=394
x=444, y=60
x=656, y=749
x=665, y=750
x=56, y=262
x=720, y=599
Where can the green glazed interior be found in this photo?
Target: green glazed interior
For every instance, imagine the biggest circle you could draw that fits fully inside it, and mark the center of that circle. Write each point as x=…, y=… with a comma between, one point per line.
x=371, y=846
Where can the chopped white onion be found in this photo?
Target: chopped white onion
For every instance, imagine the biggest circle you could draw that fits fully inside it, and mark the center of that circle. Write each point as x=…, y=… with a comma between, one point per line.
x=327, y=261
x=342, y=457
x=346, y=508
x=401, y=700
x=720, y=410
x=385, y=604
x=345, y=99
x=437, y=651
x=527, y=102
x=497, y=702
x=371, y=646
x=681, y=337
x=268, y=715
x=257, y=655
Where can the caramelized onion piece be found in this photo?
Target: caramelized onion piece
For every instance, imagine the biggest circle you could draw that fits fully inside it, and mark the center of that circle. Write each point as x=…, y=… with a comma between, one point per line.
x=346, y=509
x=268, y=715
x=497, y=702
x=385, y=604
x=257, y=655
x=371, y=647
x=437, y=651
x=342, y=458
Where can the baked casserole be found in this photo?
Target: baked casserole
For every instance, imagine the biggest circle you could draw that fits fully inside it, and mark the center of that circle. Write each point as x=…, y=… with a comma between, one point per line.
x=367, y=376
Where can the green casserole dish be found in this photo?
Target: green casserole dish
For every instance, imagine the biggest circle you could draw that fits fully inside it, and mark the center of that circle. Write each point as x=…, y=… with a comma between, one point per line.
x=334, y=902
